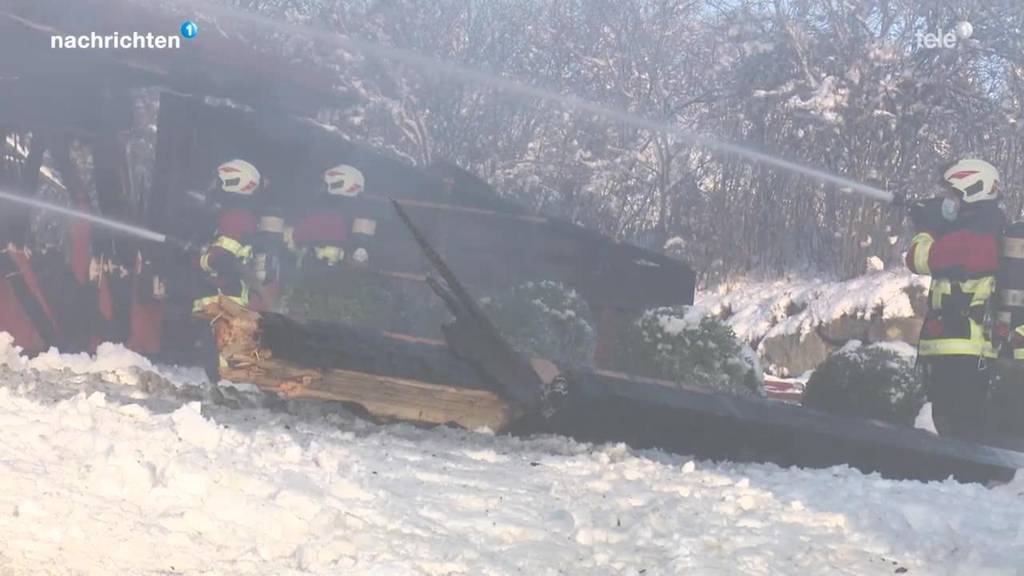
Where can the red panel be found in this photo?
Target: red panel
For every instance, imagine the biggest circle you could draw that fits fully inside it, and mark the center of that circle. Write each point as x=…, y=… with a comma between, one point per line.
x=16, y=322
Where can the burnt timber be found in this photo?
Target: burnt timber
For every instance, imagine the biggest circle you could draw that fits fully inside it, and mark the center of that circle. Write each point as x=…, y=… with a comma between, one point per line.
x=413, y=380
x=390, y=376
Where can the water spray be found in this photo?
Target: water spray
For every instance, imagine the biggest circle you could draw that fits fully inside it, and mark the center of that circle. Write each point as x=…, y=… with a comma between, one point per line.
x=108, y=223
x=512, y=86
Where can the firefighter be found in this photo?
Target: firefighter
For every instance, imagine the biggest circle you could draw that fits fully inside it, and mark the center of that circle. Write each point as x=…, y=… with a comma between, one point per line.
x=1009, y=325
x=320, y=237
x=957, y=244
x=226, y=260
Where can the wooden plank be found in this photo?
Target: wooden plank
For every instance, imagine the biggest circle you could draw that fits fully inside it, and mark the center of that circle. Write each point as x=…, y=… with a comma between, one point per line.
x=238, y=336
x=381, y=396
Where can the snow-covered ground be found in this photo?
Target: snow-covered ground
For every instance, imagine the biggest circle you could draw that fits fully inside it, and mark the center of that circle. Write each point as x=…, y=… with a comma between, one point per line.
x=113, y=466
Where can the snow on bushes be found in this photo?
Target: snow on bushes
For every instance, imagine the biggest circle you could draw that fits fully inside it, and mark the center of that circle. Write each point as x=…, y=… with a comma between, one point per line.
x=877, y=381
x=672, y=344
x=760, y=310
x=544, y=319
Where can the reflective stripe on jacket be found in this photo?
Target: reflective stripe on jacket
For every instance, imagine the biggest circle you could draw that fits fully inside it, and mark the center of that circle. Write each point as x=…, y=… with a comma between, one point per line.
x=227, y=244
x=243, y=299
x=329, y=255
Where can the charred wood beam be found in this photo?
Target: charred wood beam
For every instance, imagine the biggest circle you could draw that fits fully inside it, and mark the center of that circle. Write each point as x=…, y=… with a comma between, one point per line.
x=225, y=64
x=328, y=346
x=601, y=406
x=114, y=198
x=110, y=173
x=388, y=376
x=60, y=102
x=16, y=220
x=473, y=337
x=41, y=141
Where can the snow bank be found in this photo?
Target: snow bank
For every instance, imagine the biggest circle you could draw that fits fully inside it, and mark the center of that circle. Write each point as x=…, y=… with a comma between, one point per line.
x=111, y=360
x=94, y=481
x=757, y=310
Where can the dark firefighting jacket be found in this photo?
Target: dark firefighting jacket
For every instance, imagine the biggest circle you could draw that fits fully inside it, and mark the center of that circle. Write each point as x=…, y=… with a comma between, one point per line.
x=224, y=259
x=962, y=260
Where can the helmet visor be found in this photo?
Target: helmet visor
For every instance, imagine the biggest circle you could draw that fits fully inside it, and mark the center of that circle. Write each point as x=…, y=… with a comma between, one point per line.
x=973, y=189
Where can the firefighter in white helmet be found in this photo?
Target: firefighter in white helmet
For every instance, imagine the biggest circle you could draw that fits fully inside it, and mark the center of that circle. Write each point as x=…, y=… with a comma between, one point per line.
x=321, y=236
x=227, y=258
x=957, y=244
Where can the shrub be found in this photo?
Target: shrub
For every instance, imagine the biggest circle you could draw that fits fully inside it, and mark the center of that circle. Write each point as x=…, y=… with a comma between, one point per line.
x=672, y=344
x=544, y=319
x=877, y=381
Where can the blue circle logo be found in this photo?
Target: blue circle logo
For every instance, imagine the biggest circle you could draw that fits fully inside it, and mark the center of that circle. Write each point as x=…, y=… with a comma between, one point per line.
x=189, y=29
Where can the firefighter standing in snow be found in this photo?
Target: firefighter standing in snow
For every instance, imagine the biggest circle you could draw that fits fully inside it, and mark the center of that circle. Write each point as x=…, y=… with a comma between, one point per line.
x=226, y=260
x=960, y=251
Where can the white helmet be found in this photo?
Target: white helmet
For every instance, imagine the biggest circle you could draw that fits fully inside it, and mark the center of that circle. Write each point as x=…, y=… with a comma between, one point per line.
x=975, y=179
x=344, y=180
x=238, y=177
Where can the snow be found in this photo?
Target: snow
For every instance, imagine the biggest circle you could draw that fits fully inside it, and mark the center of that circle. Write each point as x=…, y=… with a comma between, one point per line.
x=826, y=101
x=924, y=419
x=905, y=351
x=674, y=325
x=674, y=243
x=111, y=465
x=758, y=310
x=901, y=349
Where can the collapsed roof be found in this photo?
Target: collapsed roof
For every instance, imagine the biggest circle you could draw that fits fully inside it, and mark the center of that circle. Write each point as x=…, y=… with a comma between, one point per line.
x=215, y=63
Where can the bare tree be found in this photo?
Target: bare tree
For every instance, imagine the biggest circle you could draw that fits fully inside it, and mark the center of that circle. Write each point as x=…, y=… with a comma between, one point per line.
x=841, y=86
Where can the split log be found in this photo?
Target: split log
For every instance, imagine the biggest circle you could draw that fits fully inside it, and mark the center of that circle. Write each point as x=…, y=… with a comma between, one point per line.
x=391, y=377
